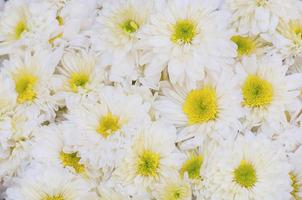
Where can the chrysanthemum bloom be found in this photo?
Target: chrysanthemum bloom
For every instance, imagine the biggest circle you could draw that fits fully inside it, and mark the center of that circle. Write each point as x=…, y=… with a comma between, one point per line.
x=79, y=75
x=211, y=109
x=23, y=24
x=248, y=168
x=152, y=157
x=46, y=182
x=183, y=37
x=261, y=16
x=115, y=36
x=104, y=129
x=32, y=75
x=267, y=92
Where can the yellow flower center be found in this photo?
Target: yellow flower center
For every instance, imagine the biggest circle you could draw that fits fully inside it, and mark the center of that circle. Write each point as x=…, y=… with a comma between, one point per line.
x=184, y=31
x=296, y=186
x=192, y=167
x=177, y=191
x=245, y=45
x=55, y=197
x=201, y=105
x=108, y=125
x=257, y=92
x=296, y=27
x=148, y=163
x=130, y=26
x=19, y=29
x=60, y=20
x=78, y=79
x=261, y=3
x=24, y=84
x=245, y=175
x=72, y=160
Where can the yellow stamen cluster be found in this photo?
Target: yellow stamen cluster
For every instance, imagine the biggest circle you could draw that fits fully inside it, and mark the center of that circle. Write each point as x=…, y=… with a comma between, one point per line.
x=184, y=31
x=78, y=79
x=245, y=45
x=25, y=87
x=55, y=197
x=257, y=92
x=108, y=125
x=72, y=160
x=148, y=163
x=192, y=167
x=245, y=175
x=19, y=29
x=201, y=105
x=296, y=186
x=130, y=26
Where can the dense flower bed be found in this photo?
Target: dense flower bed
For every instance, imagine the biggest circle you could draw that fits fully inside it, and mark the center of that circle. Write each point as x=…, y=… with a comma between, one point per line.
x=151, y=100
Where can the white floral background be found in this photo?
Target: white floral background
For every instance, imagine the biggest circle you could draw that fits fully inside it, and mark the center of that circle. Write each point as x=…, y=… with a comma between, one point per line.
x=150, y=100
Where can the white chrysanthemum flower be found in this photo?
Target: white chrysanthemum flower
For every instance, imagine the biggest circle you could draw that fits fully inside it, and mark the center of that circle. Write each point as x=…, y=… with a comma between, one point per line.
x=268, y=91
x=261, y=16
x=184, y=38
x=212, y=109
x=73, y=19
x=296, y=174
x=80, y=74
x=17, y=132
x=116, y=35
x=173, y=188
x=46, y=182
x=32, y=76
x=23, y=24
x=151, y=158
x=49, y=146
x=248, y=168
x=8, y=98
x=103, y=130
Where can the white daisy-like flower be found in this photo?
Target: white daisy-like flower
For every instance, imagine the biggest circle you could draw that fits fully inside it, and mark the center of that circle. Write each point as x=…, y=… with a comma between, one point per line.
x=267, y=91
x=173, y=188
x=104, y=129
x=296, y=174
x=184, y=39
x=79, y=74
x=46, y=182
x=17, y=132
x=248, y=168
x=23, y=24
x=152, y=157
x=32, y=76
x=261, y=16
x=212, y=109
x=49, y=146
x=115, y=36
